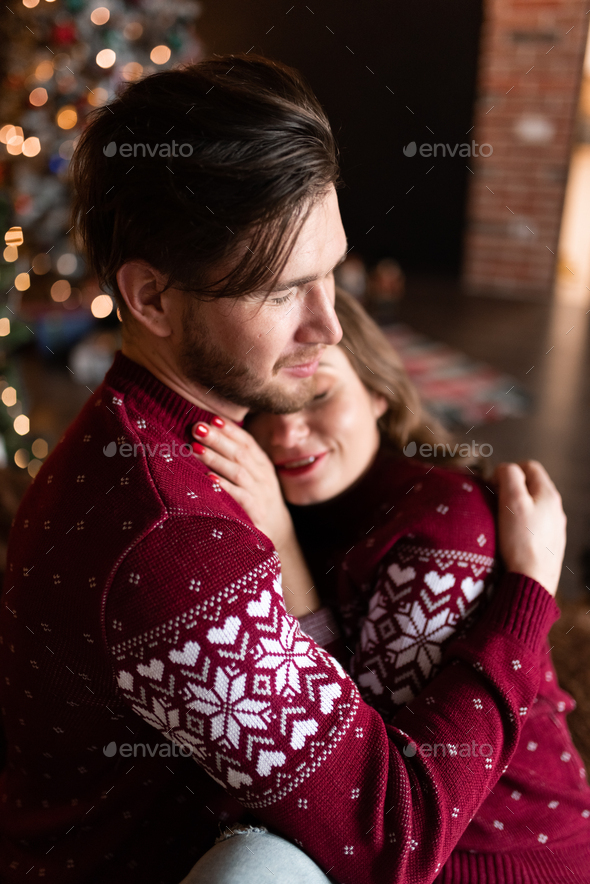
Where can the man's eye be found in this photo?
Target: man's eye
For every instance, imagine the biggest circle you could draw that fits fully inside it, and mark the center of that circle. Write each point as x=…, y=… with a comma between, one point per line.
x=320, y=395
x=278, y=301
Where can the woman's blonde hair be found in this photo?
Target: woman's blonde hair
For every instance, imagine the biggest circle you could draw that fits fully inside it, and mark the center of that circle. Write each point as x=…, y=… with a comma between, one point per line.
x=381, y=370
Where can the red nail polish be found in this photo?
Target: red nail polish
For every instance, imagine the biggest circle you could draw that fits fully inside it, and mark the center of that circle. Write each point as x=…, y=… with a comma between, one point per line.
x=198, y=448
x=218, y=421
x=201, y=429
x=213, y=477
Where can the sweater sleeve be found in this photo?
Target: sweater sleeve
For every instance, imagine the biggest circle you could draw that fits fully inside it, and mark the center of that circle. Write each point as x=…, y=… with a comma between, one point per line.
x=204, y=651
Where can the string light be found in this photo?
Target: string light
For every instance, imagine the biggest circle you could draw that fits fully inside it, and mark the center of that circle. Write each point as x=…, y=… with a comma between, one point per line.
x=4, y=327
x=21, y=458
x=10, y=254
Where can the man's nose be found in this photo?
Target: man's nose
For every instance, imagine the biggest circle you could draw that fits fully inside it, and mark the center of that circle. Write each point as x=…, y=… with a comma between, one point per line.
x=319, y=322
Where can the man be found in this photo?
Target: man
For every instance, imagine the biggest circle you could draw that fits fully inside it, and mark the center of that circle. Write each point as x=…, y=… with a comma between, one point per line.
x=156, y=686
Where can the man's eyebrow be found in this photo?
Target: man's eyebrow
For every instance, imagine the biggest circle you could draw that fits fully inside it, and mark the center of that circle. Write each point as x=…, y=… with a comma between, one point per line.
x=281, y=286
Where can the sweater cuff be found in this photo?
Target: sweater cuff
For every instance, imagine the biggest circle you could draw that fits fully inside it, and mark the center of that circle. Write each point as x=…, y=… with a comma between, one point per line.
x=320, y=626
x=522, y=607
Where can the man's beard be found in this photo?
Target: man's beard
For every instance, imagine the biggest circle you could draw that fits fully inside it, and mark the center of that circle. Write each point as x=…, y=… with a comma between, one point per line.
x=205, y=363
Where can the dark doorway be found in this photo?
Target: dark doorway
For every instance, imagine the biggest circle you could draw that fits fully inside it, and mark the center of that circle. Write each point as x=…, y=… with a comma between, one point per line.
x=388, y=74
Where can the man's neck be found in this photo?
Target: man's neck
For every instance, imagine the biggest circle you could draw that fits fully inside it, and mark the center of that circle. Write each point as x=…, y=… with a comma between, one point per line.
x=169, y=375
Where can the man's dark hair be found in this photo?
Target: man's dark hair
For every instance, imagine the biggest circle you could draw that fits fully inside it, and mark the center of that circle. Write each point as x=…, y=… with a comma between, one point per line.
x=262, y=152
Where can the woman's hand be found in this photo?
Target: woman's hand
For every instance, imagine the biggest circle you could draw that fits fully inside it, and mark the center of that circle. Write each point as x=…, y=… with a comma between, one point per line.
x=244, y=470
x=241, y=467
x=531, y=522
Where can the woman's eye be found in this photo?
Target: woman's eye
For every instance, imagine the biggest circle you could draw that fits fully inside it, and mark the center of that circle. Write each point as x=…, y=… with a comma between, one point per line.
x=320, y=395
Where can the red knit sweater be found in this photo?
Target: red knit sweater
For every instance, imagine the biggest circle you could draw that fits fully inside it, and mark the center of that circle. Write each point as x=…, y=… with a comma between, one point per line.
x=143, y=617
x=400, y=600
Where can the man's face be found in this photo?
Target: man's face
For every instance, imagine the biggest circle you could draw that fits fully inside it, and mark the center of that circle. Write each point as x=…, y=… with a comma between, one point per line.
x=260, y=353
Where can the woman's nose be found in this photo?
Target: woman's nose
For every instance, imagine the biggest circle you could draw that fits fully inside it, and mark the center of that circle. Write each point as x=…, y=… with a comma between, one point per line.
x=289, y=430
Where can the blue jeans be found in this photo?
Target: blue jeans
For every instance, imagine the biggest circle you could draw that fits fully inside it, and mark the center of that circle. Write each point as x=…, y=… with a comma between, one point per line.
x=253, y=855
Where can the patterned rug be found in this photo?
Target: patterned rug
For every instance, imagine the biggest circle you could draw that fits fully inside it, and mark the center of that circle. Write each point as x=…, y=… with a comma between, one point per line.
x=455, y=388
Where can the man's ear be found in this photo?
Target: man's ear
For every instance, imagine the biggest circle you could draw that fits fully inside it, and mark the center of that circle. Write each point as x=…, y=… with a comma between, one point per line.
x=140, y=286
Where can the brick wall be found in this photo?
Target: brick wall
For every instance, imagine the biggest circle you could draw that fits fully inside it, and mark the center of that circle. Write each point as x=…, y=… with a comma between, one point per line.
x=528, y=86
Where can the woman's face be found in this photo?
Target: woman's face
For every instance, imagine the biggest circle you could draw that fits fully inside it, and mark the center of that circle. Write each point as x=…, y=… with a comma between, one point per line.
x=321, y=450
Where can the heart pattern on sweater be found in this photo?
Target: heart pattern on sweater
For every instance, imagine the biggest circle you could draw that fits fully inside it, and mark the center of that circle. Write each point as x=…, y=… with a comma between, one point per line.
x=301, y=730
x=399, y=575
x=155, y=670
x=471, y=589
x=261, y=607
x=226, y=634
x=236, y=778
x=328, y=693
x=188, y=655
x=268, y=760
x=439, y=584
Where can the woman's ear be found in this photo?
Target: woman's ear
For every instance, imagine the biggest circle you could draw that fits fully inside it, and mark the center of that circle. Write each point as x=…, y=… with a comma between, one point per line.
x=380, y=405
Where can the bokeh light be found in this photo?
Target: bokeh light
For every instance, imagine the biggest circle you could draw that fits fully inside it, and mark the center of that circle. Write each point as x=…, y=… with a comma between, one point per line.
x=38, y=96
x=10, y=253
x=67, y=117
x=106, y=58
x=41, y=264
x=44, y=71
x=40, y=448
x=60, y=290
x=22, y=425
x=8, y=396
x=100, y=15
x=4, y=326
x=160, y=54
x=14, y=236
x=22, y=282
x=21, y=458
x=31, y=146
x=133, y=30
x=98, y=96
x=132, y=71
x=67, y=263
x=34, y=467
x=101, y=306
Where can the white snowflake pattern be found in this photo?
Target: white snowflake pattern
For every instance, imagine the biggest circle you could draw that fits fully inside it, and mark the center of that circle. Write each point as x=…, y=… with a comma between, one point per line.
x=542, y=838
x=516, y=664
x=516, y=795
x=229, y=708
x=422, y=638
x=160, y=718
x=498, y=825
x=286, y=656
x=531, y=745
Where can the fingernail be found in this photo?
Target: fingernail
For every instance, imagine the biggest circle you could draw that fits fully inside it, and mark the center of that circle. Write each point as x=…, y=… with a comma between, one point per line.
x=201, y=429
x=218, y=421
x=213, y=477
x=198, y=448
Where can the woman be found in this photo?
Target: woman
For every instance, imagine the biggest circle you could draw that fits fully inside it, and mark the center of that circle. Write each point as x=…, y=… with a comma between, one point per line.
x=404, y=553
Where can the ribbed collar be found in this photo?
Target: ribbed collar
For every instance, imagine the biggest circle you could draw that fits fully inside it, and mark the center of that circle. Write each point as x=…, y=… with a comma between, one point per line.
x=168, y=409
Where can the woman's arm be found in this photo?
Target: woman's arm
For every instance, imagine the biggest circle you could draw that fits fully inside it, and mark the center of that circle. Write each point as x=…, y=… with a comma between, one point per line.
x=428, y=586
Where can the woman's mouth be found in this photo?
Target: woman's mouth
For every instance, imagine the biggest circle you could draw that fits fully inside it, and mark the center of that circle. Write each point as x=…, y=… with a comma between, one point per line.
x=301, y=465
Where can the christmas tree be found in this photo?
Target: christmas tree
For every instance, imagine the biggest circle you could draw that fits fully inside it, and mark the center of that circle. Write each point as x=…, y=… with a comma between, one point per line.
x=63, y=59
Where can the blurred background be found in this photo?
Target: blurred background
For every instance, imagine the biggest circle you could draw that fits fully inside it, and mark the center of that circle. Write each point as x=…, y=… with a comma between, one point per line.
x=464, y=131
